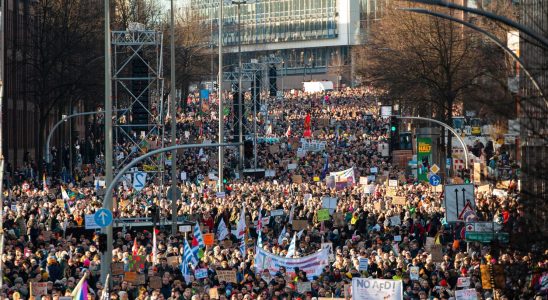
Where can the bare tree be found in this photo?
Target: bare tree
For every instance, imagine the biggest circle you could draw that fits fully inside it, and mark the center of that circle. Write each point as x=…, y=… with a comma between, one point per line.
x=63, y=50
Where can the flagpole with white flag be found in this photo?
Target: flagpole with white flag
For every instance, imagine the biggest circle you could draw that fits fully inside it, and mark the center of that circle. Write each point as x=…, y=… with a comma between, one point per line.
x=154, y=247
x=241, y=231
x=222, y=230
x=292, y=246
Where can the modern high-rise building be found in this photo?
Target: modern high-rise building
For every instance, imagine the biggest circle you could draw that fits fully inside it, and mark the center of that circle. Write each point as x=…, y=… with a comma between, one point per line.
x=533, y=115
x=313, y=37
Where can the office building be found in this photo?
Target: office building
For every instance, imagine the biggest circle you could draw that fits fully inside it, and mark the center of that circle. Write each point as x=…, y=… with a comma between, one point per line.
x=313, y=37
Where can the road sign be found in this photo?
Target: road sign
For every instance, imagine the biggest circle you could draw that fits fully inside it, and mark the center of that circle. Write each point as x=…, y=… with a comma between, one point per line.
x=139, y=180
x=486, y=237
x=177, y=193
x=483, y=227
x=434, y=169
x=103, y=217
x=434, y=180
x=89, y=222
x=456, y=197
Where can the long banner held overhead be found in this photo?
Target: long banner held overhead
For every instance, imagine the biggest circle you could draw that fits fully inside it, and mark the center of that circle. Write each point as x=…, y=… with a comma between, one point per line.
x=312, y=264
x=373, y=289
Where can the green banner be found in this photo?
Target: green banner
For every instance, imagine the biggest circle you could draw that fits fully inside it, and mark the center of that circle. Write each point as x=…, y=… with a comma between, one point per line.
x=424, y=158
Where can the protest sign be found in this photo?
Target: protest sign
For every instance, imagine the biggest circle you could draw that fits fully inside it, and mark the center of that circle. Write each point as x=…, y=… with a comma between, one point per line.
x=227, y=276
x=484, y=188
x=200, y=273
x=338, y=219
x=363, y=264
x=363, y=180
x=437, y=253
x=39, y=288
x=209, y=239
x=130, y=277
x=463, y=282
x=414, y=273
x=277, y=212
x=299, y=225
x=213, y=293
x=323, y=215
x=399, y=200
x=468, y=294
x=366, y=288
x=329, y=203
x=303, y=287
x=297, y=179
x=392, y=182
x=117, y=268
x=155, y=282
x=395, y=220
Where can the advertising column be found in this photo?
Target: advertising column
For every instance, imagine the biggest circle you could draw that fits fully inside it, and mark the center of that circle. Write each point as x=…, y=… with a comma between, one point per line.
x=424, y=157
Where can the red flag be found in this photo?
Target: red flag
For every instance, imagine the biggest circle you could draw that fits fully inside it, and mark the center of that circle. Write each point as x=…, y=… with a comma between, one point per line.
x=135, y=248
x=307, y=121
x=307, y=133
x=194, y=242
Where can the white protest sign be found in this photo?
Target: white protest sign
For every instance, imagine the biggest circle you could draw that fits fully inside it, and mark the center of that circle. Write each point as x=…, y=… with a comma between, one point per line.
x=463, y=282
x=468, y=294
x=369, y=189
x=414, y=273
x=200, y=273
x=277, y=212
x=363, y=264
x=395, y=220
x=291, y=166
x=385, y=289
x=139, y=180
x=183, y=175
x=329, y=203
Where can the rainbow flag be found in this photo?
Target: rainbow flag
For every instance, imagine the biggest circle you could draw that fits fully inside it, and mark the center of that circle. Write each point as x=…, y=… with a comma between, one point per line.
x=81, y=290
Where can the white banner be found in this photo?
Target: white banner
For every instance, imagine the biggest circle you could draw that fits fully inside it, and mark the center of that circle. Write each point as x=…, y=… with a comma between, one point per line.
x=342, y=176
x=312, y=145
x=373, y=289
x=313, y=264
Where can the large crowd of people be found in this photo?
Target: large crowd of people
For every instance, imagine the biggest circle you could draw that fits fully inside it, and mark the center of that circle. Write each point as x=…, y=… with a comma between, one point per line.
x=383, y=223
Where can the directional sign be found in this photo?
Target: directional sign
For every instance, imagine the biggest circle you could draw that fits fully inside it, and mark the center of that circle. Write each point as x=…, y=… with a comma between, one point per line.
x=103, y=217
x=434, y=169
x=486, y=237
x=483, y=227
x=456, y=196
x=435, y=180
x=139, y=180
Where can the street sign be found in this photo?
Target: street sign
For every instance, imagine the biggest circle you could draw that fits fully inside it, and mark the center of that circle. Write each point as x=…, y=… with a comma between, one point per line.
x=487, y=237
x=103, y=217
x=89, y=222
x=434, y=169
x=483, y=227
x=434, y=180
x=177, y=193
x=139, y=180
x=456, y=196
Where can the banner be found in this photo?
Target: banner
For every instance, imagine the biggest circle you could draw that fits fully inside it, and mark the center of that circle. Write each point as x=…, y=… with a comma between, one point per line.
x=312, y=145
x=468, y=294
x=382, y=289
x=424, y=159
x=347, y=175
x=312, y=264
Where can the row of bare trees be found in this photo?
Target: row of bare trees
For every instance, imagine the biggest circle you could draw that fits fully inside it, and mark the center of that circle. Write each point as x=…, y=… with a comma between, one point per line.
x=66, y=56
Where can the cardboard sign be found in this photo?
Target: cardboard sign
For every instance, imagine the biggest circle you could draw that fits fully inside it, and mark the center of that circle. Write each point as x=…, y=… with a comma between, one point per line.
x=503, y=184
x=399, y=200
x=117, y=268
x=209, y=239
x=130, y=277
x=437, y=253
x=484, y=188
x=392, y=182
x=363, y=180
x=390, y=192
x=303, y=287
x=299, y=225
x=39, y=288
x=60, y=202
x=226, y=276
x=323, y=215
x=297, y=179
x=155, y=282
x=141, y=279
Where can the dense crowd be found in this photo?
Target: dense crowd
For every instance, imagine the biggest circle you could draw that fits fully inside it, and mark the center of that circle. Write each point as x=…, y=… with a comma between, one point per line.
x=46, y=239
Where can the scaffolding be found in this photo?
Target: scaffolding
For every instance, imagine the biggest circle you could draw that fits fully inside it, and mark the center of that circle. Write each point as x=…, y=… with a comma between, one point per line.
x=139, y=87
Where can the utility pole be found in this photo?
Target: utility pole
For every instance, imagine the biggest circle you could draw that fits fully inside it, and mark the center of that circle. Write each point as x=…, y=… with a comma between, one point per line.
x=2, y=50
x=220, y=186
x=173, y=98
x=240, y=104
x=107, y=203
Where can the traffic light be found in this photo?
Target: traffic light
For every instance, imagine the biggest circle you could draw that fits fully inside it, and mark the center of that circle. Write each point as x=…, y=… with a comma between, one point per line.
x=394, y=134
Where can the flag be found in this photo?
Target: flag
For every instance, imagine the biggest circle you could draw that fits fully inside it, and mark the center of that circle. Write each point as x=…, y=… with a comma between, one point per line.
x=281, y=237
x=184, y=269
x=188, y=255
x=222, y=230
x=288, y=132
x=80, y=292
x=337, y=136
x=154, y=247
x=269, y=129
x=300, y=233
x=291, y=213
x=64, y=194
x=105, y=294
x=198, y=236
x=325, y=168
x=241, y=231
x=292, y=246
x=67, y=207
x=307, y=121
x=44, y=183
x=135, y=248
x=260, y=228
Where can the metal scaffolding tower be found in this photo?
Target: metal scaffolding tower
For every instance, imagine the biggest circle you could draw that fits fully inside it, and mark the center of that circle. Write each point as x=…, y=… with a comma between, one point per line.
x=139, y=87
